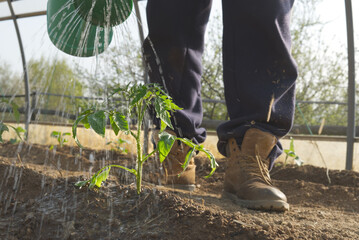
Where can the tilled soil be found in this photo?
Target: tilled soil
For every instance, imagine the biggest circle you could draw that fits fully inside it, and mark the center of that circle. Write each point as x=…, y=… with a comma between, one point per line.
x=38, y=200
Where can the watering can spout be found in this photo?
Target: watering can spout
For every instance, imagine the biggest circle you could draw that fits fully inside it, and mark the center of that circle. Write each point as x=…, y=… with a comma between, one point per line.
x=104, y=12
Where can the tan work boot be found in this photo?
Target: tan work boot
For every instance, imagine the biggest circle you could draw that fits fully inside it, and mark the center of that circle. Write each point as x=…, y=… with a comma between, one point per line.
x=247, y=179
x=172, y=167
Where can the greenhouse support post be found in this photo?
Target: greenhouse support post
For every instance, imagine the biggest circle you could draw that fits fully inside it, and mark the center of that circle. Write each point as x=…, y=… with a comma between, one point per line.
x=351, y=85
x=26, y=80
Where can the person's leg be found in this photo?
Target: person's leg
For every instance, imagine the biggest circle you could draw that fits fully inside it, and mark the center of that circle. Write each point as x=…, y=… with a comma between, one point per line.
x=173, y=52
x=176, y=37
x=259, y=80
x=259, y=71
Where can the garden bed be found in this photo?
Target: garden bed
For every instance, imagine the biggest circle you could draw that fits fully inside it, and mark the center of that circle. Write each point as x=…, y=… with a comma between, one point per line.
x=38, y=200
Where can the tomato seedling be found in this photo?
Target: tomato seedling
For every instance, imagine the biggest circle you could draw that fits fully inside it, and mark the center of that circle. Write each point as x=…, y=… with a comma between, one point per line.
x=139, y=98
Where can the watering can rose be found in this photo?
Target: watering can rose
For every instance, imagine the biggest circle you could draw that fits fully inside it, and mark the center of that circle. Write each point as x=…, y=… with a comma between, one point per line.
x=104, y=12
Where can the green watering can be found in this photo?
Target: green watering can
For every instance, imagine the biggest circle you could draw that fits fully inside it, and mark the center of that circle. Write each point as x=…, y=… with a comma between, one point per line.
x=70, y=33
x=104, y=12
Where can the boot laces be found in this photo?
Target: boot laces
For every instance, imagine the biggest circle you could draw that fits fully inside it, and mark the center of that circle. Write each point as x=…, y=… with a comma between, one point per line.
x=256, y=167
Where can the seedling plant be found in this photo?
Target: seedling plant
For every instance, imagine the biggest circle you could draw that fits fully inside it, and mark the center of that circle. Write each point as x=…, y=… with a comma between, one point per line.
x=290, y=153
x=139, y=98
x=118, y=145
x=5, y=127
x=61, y=138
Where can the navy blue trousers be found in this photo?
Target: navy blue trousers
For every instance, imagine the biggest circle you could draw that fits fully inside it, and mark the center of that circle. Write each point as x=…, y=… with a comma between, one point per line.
x=259, y=71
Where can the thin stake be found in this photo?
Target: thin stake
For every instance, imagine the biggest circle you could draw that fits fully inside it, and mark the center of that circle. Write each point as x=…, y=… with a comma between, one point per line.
x=321, y=127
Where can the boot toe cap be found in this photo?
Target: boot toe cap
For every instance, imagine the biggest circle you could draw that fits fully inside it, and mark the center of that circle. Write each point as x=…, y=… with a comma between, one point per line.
x=261, y=196
x=260, y=191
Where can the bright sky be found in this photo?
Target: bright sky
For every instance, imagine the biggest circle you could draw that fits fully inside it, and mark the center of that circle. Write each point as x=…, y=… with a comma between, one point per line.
x=36, y=41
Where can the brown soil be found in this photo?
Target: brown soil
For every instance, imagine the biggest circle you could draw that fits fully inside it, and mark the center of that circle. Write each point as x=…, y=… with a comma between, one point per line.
x=38, y=200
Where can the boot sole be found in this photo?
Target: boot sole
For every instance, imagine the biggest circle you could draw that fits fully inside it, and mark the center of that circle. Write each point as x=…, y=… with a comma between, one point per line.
x=265, y=205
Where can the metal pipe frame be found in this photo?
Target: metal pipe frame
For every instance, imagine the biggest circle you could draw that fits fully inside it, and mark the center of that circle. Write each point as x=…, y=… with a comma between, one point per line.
x=351, y=85
x=24, y=15
x=24, y=64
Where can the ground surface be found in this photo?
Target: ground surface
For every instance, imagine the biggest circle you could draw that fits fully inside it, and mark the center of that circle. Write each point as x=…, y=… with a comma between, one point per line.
x=39, y=201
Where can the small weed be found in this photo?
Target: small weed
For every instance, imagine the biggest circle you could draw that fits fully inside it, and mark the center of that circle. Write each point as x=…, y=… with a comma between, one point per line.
x=18, y=130
x=60, y=138
x=290, y=153
x=118, y=145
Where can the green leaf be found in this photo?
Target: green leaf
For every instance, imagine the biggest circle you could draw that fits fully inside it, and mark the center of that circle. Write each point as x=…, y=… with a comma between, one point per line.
x=138, y=95
x=211, y=173
x=103, y=174
x=162, y=113
x=292, y=154
x=74, y=129
x=114, y=126
x=55, y=134
x=165, y=144
x=87, y=112
x=66, y=134
x=148, y=95
x=163, y=126
x=175, y=107
x=169, y=104
x=121, y=122
x=102, y=177
x=133, y=171
x=18, y=131
x=212, y=159
x=3, y=128
x=81, y=118
x=119, y=89
x=187, y=142
x=97, y=122
x=85, y=122
x=291, y=147
x=121, y=141
x=210, y=156
x=187, y=159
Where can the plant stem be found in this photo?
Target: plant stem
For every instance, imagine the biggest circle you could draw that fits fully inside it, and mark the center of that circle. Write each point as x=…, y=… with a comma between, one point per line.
x=149, y=155
x=139, y=177
x=139, y=149
x=139, y=163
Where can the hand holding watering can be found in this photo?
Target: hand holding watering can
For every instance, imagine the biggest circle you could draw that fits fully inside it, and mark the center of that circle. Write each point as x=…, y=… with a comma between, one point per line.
x=83, y=28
